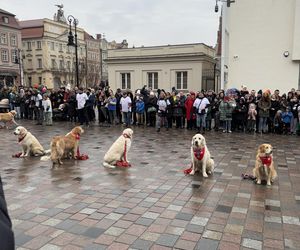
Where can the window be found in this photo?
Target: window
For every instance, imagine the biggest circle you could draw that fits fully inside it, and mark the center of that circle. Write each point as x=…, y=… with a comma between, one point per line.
x=40, y=63
x=39, y=45
x=125, y=80
x=181, y=80
x=53, y=63
x=40, y=80
x=4, y=55
x=28, y=45
x=29, y=81
x=29, y=63
x=5, y=19
x=60, y=47
x=68, y=65
x=153, y=80
x=52, y=45
x=14, y=56
x=3, y=38
x=61, y=64
x=13, y=40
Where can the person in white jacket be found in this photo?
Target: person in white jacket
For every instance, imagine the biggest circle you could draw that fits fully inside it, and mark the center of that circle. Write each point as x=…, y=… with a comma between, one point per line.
x=47, y=107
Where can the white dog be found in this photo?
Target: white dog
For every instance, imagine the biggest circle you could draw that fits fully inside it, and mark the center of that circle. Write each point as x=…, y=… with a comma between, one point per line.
x=201, y=156
x=30, y=145
x=119, y=150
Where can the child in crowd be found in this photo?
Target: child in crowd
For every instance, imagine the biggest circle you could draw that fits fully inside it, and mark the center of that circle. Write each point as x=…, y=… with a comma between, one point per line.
x=278, y=122
x=251, y=122
x=286, y=118
x=140, y=109
x=46, y=103
x=162, y=112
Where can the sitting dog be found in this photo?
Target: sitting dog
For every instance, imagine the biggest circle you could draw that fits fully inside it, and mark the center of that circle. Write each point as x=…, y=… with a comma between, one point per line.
x=65, y=146
x=8, y=118
x=119, y=150
x=30, y=145
x=264, y=166
x=201, y=156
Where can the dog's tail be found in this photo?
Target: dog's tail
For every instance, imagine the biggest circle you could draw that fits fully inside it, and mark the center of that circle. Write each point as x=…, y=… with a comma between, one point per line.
x=107, y=165
x=45, y=158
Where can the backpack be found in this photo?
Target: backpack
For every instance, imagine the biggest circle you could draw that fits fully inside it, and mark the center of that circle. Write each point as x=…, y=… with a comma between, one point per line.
x=140, y=107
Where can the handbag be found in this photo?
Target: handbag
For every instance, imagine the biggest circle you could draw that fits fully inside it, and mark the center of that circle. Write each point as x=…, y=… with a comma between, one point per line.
x=151, y=109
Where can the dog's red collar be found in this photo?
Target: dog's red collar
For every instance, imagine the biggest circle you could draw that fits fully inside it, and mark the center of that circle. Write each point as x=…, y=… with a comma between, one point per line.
x=199, y=153
x=22, y=138
x=77, y=136
x=266, y=160
x=126, y=136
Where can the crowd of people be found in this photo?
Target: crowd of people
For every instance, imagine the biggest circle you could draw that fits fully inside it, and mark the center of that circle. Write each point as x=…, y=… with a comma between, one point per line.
x=232, y=110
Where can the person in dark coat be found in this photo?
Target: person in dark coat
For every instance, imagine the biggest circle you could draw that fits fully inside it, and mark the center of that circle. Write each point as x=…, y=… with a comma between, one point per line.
x=7, y=241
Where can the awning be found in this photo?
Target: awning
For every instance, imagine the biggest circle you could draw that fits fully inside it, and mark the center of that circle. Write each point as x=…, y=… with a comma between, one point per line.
x=13, y=74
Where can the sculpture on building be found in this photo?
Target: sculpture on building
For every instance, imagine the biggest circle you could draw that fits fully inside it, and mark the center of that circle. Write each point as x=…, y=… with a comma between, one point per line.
x=59, y=16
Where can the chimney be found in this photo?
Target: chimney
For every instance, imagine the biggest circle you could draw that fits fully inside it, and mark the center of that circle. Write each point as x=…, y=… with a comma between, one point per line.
x=99, y=36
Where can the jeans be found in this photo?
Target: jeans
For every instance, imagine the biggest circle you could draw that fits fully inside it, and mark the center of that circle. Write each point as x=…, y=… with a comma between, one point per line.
x=112, y=116
x=262, y=124
x=161, y=121
x=127, y=118
x=48, y=118
x=201, y=121
x=227, y=125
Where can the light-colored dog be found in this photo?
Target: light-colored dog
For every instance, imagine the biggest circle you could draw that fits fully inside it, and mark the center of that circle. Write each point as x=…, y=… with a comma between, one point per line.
x=8, y=118
x=264, y=166
x=65, y=146
x=119, y=150
x=200, y=156
x=30, y=145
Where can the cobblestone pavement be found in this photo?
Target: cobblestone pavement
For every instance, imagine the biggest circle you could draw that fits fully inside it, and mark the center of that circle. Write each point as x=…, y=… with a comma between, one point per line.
x=152, y=205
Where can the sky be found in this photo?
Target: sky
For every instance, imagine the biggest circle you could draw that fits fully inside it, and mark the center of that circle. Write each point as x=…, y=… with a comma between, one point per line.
x=140, y=22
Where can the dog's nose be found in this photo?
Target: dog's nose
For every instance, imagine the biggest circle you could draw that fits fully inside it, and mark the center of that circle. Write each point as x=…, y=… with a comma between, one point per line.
x=196, y=142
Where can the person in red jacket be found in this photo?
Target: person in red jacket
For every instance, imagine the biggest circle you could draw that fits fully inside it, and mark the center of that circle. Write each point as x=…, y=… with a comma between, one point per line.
x=190, y=116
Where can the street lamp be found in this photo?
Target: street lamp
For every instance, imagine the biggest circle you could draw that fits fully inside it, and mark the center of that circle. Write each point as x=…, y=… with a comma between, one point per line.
x=71, y=43
x=223, y=14
x=18, y=60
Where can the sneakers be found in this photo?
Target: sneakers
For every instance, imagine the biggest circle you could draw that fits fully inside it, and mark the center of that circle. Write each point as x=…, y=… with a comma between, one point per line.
x=229, y=131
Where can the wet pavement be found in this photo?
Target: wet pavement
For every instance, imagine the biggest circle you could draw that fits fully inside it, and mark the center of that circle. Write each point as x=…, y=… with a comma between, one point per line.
x=152, y=205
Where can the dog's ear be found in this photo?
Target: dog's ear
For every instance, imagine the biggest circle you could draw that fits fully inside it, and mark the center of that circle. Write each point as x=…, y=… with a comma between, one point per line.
x=261, y=148
x=203, y=142
x=22, y=130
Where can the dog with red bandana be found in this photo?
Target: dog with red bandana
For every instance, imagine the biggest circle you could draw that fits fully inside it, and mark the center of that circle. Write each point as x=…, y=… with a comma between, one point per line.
x=117, y=154
x=264, y=166
x=201, y=160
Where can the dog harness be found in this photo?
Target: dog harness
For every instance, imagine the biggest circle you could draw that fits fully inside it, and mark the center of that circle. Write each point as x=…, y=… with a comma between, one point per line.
x=21, y=139
x=124, y=163
x=266, y=160
x=199, y=153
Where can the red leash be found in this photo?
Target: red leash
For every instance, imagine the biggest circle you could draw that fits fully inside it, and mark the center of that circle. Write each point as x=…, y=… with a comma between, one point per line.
x=79, y=156
x=124, y=163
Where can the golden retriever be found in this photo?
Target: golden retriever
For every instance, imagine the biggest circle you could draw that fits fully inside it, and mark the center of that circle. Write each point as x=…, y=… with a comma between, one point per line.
x=117, y=150
x=65, y=146
x=8, y=118
x=30, y=145
x=264, y=166
x=200, y=156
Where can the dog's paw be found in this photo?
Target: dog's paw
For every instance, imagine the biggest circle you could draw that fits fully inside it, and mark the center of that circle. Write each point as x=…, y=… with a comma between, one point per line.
x=258, y=182
x=205, y=175
x=192, y=172
x=269, y=183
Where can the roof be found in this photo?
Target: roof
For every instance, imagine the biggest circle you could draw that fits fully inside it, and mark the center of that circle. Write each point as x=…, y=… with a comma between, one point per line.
x=88, y=36
x=31, y=23
x=6, y=12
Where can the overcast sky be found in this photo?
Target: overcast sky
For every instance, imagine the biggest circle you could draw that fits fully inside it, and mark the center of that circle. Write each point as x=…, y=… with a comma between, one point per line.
x=141, y=22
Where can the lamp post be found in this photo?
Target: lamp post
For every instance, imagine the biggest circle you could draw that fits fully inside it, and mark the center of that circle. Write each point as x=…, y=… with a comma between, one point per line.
x=223, y=42
x=18, y=60
x=71, y=43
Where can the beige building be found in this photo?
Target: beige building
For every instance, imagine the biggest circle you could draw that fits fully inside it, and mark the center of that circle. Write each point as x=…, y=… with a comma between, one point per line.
x=47, y=58
x=10, y=45
x=185, y=67
x=262, y=45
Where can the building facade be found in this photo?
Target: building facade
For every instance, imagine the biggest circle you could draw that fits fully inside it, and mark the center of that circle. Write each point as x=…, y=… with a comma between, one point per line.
x=10, y=46
x=185, y=67
x=262, y=45
x=93, y=60
x=47, y=58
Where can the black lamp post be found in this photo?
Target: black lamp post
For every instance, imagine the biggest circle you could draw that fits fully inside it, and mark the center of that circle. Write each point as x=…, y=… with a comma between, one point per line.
x=18, y=61
x=71, y=43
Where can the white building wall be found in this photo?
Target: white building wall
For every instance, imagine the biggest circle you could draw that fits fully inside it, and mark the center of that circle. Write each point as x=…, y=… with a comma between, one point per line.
x=259, y=32
x=166, y=74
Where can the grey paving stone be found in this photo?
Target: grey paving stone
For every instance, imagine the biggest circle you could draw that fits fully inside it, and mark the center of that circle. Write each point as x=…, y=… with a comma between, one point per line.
x=144, y=221
x=94, y=232
x=167, y=240
x=67, y=224
x=207, y=244
x=22, y=239
x=184, y=216
x=142, y=244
